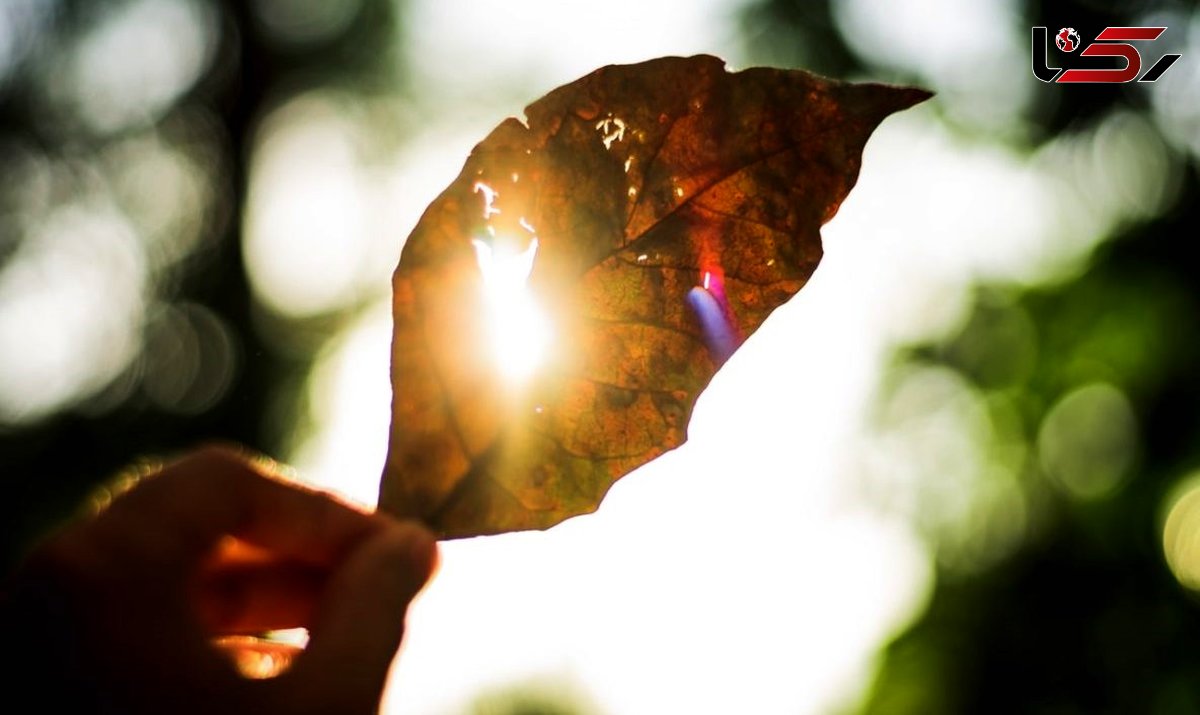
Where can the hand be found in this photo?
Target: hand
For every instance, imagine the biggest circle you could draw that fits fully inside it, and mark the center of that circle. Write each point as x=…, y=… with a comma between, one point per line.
x=117, y=614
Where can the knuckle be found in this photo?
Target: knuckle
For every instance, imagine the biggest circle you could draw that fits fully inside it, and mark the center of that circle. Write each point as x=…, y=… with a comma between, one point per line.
x=211, y=467
x=209, y=457
x=218, y=460
x=217, y=451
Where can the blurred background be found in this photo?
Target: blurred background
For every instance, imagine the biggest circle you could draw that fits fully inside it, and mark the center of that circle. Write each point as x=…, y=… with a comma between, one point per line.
x=960, y=472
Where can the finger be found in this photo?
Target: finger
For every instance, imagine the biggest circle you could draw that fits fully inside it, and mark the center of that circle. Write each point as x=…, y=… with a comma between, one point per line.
x=174, y=519
x=360, y=620
x=248, y=599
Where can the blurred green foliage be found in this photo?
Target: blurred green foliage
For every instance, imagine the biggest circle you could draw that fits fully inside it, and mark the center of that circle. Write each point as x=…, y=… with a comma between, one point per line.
x=1056, y=598
x=532, y=698
x=1083, y=616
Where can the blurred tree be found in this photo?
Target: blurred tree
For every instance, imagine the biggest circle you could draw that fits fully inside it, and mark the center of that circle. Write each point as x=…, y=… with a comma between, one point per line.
x=1094, y=405
x=1084, y=616
x=91, y=90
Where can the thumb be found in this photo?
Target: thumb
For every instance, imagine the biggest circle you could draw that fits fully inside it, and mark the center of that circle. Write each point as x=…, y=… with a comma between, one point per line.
x=360, y=620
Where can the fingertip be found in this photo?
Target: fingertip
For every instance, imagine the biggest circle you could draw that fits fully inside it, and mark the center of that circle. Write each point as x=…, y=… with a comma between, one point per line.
x=385, y=572
x=422, y=548
x=406, y=552
x=360, y=622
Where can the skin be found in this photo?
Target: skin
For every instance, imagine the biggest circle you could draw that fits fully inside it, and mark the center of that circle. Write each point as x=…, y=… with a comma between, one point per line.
x=116, y=614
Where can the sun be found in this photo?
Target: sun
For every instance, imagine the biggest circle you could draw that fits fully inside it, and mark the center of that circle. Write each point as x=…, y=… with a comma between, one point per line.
x=518, y=330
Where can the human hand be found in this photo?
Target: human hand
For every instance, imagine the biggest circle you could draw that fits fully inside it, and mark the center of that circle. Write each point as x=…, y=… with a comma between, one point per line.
x=117, y=614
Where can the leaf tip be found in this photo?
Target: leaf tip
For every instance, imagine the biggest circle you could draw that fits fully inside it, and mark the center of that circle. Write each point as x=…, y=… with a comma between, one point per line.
x=913, y=96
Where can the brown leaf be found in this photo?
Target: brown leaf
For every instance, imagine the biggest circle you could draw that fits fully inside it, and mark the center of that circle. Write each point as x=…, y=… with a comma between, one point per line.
x=639, y=182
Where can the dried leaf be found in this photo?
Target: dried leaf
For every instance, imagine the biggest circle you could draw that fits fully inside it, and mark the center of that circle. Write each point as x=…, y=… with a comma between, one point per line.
x=626, y=189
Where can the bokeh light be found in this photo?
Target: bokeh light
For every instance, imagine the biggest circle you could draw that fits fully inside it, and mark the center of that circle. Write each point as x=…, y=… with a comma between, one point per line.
x=133, y=64
x=966, y=50
x=301, y=22
x=71, y=300
x=946, y=457
x=1088, y=441
x=312, y=240
x=169, y=183
x=484, y=58
x=191, y=358
x=1175, y=98
x=22, y=23
x=1181, y=531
